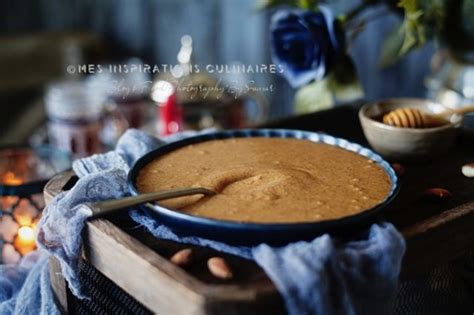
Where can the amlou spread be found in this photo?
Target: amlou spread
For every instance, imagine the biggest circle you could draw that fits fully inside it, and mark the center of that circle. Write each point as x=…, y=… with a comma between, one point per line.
x=268, y=180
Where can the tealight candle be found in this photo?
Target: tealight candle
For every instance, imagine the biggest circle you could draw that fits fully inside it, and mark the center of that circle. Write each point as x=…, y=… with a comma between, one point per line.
x=25, y=240
x=23, y=173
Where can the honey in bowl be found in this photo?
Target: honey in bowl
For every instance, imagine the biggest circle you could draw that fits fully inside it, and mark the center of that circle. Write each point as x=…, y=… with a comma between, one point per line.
x=268, y=180
x=412, y=118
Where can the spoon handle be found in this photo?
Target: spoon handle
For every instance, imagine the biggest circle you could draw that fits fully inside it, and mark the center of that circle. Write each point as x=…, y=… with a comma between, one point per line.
x=461, y=111
x=109, y=206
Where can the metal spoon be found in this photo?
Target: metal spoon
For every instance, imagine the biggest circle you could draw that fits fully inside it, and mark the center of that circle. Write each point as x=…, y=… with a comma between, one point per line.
x=109, y=206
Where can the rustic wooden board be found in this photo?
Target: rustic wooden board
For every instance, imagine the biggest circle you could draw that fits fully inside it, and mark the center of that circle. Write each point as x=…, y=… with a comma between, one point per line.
x=145, y=272
x=435, y=233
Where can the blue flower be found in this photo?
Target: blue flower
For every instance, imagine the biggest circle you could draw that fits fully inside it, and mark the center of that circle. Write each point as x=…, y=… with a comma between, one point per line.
x=305, y=43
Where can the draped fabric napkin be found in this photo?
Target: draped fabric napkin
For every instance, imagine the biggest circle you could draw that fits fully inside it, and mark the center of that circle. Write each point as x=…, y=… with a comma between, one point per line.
x=25, y=288
x=323, y=276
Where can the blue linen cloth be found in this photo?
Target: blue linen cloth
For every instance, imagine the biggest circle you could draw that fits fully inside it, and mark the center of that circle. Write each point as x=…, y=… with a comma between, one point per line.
x=25, y=288
x=324, y=276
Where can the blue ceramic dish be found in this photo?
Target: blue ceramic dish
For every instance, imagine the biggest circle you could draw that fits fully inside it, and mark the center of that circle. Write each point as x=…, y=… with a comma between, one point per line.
x=253, y=233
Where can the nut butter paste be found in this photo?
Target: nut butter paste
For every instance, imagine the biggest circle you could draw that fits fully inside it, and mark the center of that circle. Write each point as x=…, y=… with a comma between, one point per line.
x=268, y=180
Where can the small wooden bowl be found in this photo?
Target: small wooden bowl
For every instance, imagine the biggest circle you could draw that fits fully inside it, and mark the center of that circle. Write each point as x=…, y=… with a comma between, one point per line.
x=396, y=143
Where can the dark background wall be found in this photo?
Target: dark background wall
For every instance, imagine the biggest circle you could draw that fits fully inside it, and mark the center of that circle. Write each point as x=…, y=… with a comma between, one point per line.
x=223, y=31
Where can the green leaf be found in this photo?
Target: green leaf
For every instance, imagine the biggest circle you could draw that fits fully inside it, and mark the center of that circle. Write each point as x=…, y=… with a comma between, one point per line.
x=391, y=47
x=412, y=33
x=408, y=5
x=307, y=4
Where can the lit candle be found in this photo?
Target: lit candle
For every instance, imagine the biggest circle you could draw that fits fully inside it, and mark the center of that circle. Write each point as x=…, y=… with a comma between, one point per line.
x=11, y=178
x=23, y=173
x=25, y=240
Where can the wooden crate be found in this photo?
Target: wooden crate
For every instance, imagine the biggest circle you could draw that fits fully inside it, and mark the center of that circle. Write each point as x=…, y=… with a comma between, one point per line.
x=436, y=232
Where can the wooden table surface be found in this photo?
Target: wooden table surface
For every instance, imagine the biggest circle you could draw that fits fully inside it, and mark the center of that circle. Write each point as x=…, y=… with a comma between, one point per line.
x=435, y=231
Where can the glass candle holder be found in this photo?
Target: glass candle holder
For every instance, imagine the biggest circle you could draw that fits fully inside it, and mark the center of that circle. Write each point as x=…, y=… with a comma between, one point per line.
x=24, y=172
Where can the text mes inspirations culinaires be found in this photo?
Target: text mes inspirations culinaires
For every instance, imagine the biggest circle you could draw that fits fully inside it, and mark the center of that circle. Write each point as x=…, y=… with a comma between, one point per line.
x=194, y=68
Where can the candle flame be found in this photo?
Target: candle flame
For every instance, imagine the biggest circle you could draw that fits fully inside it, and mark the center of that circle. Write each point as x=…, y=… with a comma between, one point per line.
x=25, y=240
x=26, y=234
x=10, y=178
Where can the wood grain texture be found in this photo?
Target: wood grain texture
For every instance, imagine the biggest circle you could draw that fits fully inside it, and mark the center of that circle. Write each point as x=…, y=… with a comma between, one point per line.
x=58, y=284
x=166, y=288
x=140, y=271
x=438, y=240
x=435, y=232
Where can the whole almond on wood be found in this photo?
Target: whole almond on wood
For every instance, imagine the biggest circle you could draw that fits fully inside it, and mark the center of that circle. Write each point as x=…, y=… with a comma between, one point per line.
x=182, y=257
x=219, y=268
x=437, y=193
x=468, y=170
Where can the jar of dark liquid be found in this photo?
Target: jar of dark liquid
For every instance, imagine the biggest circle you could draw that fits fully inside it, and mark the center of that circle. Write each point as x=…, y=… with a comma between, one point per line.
x=74, y=117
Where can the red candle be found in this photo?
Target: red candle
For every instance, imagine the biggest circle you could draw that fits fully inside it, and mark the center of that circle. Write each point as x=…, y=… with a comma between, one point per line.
x=171, y=118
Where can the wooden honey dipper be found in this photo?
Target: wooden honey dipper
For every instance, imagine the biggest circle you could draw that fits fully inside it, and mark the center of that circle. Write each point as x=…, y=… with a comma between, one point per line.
x=414, y=118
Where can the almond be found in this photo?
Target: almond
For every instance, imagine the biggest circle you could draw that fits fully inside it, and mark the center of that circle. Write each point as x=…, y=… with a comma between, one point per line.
x=398, y=168
x=219, y=268
x=468, y=170
x=182, y=257
x=437, y=193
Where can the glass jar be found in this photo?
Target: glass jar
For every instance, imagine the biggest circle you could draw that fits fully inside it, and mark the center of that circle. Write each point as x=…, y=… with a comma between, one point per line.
x=74, y=117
